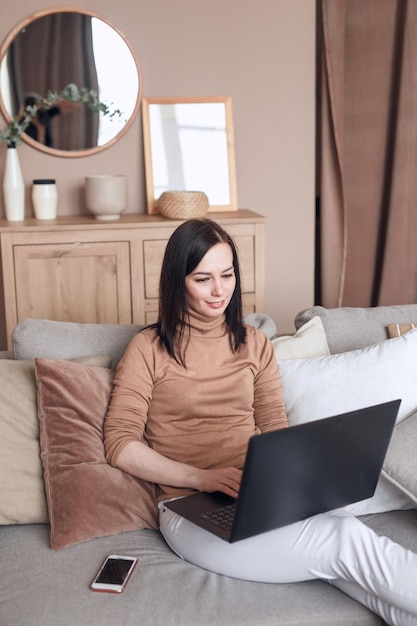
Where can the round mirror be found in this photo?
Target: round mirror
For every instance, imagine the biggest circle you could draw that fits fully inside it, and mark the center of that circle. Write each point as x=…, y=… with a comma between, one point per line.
x=53, y=48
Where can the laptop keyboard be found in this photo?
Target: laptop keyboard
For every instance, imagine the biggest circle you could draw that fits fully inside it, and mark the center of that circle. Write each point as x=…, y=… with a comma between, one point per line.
x=222, y=517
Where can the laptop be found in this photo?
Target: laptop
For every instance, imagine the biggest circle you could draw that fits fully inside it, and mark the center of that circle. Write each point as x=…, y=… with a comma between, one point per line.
x=299, y=471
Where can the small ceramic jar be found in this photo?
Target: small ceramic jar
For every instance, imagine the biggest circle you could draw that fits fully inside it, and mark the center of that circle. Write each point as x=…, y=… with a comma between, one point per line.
x=45, y=198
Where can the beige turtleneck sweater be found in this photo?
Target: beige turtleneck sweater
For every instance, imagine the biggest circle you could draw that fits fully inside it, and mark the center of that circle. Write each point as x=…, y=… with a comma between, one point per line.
x=204, y=414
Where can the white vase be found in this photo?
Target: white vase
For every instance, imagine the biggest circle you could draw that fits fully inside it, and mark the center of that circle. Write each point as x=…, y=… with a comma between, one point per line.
x=13, y=187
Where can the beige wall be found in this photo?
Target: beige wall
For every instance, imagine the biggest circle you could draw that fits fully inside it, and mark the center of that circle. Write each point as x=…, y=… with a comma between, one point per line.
x=263, y=55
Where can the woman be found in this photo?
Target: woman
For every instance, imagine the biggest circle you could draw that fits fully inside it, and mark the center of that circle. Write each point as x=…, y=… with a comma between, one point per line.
x=197, y=385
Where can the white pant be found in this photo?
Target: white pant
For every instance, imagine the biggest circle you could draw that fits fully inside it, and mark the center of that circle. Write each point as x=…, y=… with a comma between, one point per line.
x=335, y=547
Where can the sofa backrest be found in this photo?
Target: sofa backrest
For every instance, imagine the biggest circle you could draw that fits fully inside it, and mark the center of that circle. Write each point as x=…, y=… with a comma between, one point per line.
x=69, y=340
x=346, y=328
x=50, y=339
x=352, y=328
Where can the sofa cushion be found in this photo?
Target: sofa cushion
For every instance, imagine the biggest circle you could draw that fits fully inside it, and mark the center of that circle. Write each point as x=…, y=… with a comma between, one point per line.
x=86, y=496
x=400, y=466
x=22, y=494
x=164, y=590
x=321, y=387
x=309, y=341
x=67, y=340
x=351, y=328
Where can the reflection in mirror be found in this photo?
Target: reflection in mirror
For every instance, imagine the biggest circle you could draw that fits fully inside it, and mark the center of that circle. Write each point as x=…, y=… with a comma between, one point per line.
x=188, y=146
x=59, y=46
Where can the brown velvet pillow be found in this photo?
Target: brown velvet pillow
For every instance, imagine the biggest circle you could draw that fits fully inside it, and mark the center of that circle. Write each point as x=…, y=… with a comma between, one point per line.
x=86, y=496
x=22, y=493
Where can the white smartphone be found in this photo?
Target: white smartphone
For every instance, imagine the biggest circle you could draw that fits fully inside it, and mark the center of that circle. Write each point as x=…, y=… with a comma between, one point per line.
x=114, y=573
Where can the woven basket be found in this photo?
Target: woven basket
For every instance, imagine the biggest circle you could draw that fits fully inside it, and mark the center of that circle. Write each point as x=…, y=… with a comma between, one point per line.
x=183, y=205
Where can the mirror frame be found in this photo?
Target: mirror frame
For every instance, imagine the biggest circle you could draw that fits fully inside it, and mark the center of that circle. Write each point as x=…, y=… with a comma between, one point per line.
x=87, y=151
x=147, y=145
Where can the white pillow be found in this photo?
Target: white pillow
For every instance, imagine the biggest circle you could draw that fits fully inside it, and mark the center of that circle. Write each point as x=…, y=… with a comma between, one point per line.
x=309, y=341
x=321, y=387
x=324, y=386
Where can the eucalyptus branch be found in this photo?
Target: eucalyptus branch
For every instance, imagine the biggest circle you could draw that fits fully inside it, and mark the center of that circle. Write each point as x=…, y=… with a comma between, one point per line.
x=12, y=135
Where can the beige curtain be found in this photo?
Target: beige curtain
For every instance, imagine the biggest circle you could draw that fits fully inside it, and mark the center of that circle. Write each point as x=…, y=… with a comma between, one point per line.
x=368, y=152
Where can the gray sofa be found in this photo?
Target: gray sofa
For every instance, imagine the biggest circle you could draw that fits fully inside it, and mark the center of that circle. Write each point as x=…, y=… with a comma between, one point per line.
x=50, y=587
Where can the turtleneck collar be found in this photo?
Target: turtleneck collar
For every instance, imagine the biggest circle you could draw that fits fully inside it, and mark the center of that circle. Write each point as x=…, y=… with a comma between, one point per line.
x=207, y=326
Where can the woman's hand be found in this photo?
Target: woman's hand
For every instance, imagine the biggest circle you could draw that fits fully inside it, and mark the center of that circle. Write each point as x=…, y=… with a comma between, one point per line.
x=227, y=480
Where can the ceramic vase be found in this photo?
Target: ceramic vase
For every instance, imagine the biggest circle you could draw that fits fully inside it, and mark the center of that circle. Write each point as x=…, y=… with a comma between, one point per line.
x=13, y=187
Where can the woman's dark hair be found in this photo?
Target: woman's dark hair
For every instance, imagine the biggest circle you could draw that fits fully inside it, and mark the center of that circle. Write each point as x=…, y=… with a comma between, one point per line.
x=186, y=247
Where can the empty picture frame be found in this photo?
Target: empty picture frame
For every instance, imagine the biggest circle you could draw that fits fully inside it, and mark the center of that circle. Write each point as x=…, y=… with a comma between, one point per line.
x=189, y=146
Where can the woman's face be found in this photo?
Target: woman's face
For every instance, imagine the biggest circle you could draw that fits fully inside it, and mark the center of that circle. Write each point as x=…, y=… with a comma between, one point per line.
x=211, y=284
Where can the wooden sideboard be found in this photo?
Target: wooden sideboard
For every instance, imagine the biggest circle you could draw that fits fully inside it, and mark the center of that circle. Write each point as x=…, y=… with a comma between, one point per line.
x=80, y=269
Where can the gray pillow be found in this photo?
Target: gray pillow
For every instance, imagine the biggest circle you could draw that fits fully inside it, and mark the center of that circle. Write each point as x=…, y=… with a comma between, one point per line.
x=68, y=340
x=400, y=466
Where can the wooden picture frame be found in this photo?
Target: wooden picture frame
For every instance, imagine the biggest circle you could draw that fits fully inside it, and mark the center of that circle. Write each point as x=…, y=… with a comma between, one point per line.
x=189, y=146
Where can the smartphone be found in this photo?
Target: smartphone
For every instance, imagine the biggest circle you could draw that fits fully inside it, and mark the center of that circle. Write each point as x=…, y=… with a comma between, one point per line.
x=114, y=573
